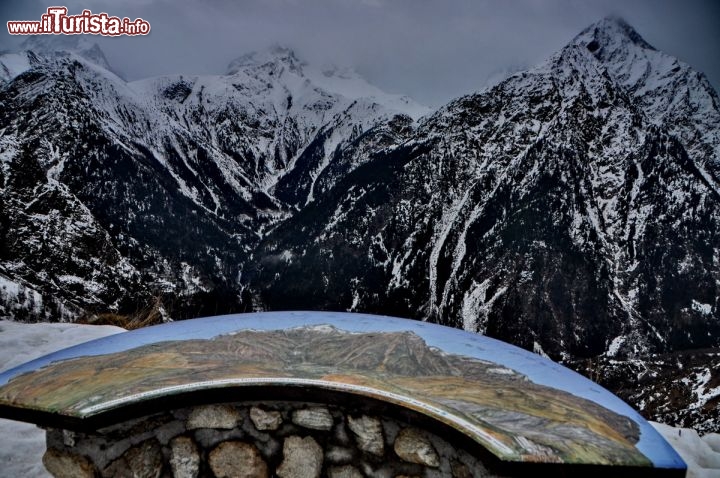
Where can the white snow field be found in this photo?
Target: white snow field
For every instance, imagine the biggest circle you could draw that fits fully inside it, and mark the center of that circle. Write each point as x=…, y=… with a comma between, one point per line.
x=23, y=444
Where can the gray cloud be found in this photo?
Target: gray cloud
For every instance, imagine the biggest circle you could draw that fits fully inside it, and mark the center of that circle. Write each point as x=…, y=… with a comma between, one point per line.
x=432, y=50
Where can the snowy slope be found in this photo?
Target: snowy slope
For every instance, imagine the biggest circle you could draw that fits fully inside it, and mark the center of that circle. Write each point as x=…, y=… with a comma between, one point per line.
x=12, y=64
x=669, y=91
x=282, y=104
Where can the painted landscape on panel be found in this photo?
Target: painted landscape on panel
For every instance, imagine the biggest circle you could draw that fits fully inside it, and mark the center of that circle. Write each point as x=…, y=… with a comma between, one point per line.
x=514, y=417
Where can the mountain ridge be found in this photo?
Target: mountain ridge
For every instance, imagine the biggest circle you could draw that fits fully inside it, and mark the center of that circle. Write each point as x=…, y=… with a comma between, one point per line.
x=164, y=160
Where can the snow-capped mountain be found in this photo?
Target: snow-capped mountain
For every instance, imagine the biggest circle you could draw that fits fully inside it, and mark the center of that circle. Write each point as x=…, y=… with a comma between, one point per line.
x=670, y=93
x=114, y=191
x=558, y=210
x=61, y=45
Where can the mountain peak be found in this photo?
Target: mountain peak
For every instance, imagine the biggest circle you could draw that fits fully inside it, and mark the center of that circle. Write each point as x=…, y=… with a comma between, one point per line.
x=79, y=44
x=670, y=92
x=51, y=43
x=608, y=34
x=275, y=55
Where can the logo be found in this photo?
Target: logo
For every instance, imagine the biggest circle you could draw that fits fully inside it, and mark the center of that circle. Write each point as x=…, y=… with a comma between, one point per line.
x=57, y=22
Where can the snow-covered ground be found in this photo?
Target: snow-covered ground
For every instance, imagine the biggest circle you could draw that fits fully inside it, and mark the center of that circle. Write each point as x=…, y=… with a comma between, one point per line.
x=23, y=444
x=702, y=454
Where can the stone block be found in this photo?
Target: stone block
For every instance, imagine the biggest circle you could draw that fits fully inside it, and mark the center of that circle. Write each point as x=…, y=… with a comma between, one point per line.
x=235, y=459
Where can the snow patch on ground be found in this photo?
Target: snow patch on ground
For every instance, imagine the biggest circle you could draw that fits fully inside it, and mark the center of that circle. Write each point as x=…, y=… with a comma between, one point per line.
x=702, y=454
x=477, y=305
x=24, y=444
x=701, y=307
x=537, y=348
x=615, y=345
x=699, y=382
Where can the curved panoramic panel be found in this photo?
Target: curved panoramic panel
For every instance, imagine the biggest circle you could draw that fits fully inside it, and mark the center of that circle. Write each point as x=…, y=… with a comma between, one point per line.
x=518, y=405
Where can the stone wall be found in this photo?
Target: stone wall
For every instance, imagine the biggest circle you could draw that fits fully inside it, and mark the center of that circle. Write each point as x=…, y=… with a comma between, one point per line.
x=259, y=439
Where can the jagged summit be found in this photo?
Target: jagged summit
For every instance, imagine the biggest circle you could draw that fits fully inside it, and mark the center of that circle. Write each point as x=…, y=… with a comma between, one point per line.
x=281, y=63
x=81, y=45
x=608, y=33
x=275, y=55
x=611, y=45
x=669, y=91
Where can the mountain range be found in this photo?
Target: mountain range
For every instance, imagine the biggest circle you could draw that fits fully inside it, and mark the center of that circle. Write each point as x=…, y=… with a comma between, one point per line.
x=572, y=209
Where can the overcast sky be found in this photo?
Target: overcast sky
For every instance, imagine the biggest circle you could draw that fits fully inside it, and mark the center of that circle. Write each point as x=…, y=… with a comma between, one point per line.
x=431, y=50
